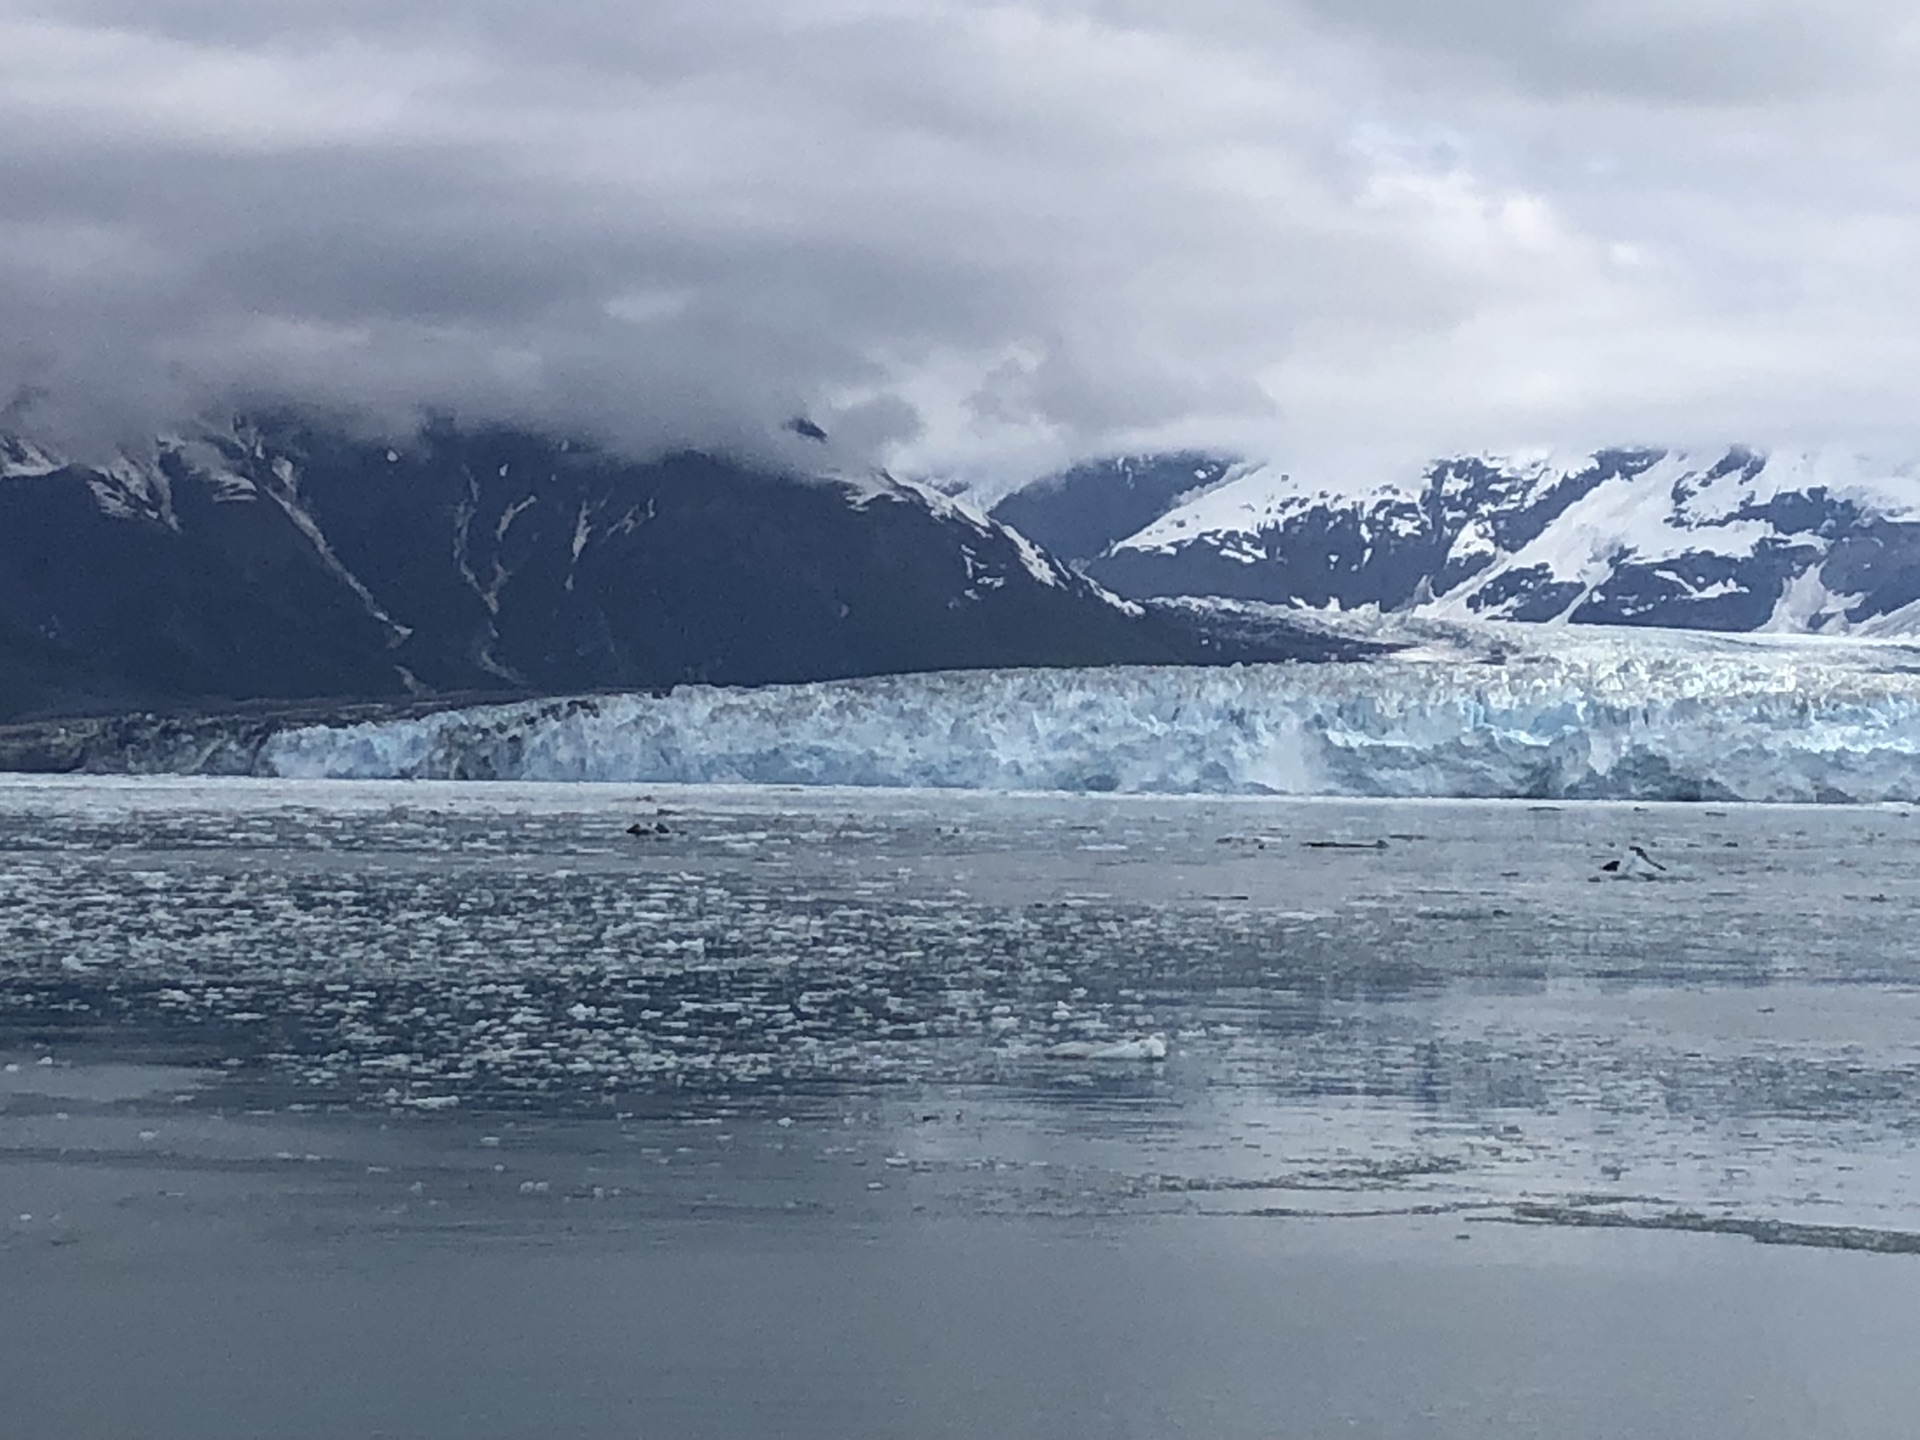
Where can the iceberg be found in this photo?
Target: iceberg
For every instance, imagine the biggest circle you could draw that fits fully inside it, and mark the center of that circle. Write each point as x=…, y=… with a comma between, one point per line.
x=1484, y=711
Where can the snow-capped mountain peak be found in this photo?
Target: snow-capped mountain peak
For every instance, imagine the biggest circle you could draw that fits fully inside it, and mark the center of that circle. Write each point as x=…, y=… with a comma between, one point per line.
x=1726, y=540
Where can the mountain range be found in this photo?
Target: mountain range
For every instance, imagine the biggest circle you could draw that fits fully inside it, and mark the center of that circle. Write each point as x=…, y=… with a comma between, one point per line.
x=1735, y=540
x=288, y=558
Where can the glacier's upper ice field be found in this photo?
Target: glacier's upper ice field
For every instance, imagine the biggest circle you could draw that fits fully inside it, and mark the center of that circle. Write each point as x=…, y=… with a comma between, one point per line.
x=1465, y=711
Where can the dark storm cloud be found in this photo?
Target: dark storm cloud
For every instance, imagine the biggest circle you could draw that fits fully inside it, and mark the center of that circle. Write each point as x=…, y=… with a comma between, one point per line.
x=971, y=236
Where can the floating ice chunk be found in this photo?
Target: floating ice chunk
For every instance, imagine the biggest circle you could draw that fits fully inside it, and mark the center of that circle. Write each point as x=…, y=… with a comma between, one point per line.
x=1149, y=1047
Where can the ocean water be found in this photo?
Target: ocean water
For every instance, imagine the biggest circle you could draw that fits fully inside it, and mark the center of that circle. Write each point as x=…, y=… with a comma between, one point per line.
x=703, y=1110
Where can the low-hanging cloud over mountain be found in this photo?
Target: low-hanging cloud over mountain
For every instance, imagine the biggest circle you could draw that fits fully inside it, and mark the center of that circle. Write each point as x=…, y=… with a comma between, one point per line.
x=974, y=237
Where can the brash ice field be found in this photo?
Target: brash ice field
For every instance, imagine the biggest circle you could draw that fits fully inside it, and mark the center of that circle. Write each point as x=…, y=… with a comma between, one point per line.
x=829, y=1112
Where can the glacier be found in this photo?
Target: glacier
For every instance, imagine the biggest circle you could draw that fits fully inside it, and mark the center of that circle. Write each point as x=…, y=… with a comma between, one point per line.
x=1464, y=711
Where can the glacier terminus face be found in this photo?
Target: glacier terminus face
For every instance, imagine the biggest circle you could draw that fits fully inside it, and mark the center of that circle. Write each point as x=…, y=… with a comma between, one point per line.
x=1468, y=711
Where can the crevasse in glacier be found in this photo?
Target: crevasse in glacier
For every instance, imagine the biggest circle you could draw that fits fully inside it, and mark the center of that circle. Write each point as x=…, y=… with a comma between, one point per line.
x=1528, y=713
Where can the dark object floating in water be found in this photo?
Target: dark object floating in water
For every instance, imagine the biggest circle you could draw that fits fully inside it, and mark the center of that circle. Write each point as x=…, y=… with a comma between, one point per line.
x=800, y=425
x=1344, y=844
x=1636, y=864
x=641, y=828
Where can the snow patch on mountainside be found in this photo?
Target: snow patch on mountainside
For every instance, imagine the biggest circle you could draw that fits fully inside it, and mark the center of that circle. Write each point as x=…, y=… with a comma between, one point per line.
x=285, y=492
x=1712, y=495
x=1611, y=523
x=23, y=460
x=1808, y=606
x=131, y=488
x=864, y=490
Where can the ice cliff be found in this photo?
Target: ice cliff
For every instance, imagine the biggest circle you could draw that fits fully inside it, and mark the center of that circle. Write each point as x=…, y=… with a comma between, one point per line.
x=1495, y=711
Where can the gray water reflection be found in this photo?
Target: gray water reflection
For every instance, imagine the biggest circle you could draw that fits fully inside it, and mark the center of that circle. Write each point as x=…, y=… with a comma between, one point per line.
x=436, y=1111
x=1365, y=1004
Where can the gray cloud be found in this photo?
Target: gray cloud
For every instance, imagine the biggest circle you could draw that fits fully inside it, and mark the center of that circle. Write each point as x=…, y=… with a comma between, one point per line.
x=1691, y=51
x=974, y=238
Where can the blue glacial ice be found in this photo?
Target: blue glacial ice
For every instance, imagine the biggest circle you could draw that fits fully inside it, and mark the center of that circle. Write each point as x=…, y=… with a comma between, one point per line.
x=1480, y=712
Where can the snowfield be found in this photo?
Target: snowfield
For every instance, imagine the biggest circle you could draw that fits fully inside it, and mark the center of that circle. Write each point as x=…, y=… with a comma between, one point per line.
x=1484, y=710
x=1733, y=540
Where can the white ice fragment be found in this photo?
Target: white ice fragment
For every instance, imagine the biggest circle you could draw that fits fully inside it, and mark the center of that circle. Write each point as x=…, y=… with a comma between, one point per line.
x=1149, y=1047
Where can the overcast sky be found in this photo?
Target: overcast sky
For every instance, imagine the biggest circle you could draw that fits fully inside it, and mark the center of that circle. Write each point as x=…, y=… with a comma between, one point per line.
x=972, y=238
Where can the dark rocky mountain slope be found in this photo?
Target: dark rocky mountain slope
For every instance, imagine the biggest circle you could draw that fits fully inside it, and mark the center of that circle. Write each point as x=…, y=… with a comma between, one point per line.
x=286, y=559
